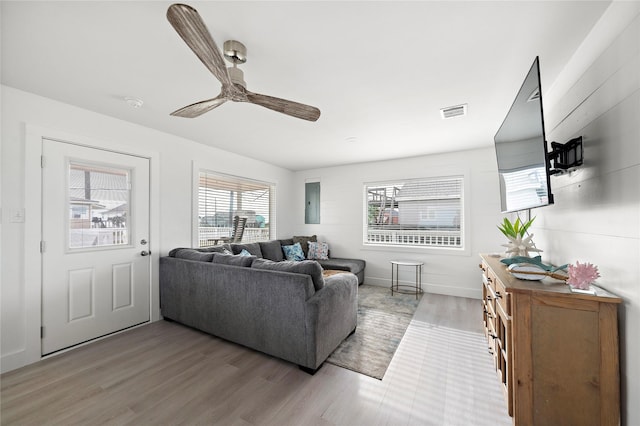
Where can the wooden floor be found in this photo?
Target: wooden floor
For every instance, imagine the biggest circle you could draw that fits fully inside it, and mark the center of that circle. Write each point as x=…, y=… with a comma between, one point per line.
x=164, y=373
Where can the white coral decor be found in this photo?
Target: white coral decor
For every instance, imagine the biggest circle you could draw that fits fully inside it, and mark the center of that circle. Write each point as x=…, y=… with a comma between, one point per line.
x=519, y=246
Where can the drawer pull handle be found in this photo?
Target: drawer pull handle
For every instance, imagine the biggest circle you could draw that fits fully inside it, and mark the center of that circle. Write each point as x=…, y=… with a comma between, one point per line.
x=489, y=279
x=490, y=351
x=493, y=336
x=498, y=295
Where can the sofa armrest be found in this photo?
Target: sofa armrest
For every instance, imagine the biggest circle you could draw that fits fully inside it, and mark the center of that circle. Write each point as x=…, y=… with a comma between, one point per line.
x=331, y=315
x=355, y=266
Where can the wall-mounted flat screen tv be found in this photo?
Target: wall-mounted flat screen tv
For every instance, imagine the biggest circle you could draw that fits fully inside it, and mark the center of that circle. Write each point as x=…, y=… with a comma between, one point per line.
x=521, y=150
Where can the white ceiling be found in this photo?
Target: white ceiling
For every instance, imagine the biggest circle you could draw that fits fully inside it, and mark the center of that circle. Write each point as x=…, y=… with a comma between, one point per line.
x=379, y=71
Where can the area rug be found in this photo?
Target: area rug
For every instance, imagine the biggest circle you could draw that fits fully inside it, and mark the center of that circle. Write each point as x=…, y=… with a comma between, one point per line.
x=382, y=321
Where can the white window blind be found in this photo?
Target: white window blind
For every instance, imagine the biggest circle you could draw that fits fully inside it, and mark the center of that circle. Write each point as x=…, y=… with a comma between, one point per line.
x=221, y=197
x=415, y=212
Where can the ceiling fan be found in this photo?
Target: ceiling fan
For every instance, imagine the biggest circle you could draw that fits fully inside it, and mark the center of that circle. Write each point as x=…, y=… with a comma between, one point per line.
x=190, y=26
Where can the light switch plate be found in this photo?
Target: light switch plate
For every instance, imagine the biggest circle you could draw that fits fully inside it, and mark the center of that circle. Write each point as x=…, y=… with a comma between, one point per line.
x=17, y=215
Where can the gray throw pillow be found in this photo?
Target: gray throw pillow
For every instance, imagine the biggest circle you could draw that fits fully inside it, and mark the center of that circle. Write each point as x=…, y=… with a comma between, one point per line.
x=286, y=242
x=253, y=248
x=234, y=260
x=222, y=248
x=193, y=254
x=271, y=250
x=308, y=267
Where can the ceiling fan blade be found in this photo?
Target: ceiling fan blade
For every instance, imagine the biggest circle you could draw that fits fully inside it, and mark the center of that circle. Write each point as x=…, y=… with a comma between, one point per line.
x=190, y=26
x=199, y=108
x=294, y=109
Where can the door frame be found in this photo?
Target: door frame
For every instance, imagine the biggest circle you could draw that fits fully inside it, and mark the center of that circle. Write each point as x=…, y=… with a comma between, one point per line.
x=33, y=226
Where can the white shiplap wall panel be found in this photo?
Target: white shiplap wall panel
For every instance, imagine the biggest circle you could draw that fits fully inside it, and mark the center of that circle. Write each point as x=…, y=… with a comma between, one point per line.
x=596, y=217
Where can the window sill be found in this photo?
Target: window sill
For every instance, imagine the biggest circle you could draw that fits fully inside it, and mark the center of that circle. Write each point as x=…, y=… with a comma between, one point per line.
x=443, y=251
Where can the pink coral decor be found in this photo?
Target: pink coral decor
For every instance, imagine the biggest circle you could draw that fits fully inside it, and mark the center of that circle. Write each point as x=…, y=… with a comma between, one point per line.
x=581, y=275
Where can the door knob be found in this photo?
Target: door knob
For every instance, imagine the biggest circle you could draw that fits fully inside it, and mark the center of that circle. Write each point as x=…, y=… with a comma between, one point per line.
x=145, y=253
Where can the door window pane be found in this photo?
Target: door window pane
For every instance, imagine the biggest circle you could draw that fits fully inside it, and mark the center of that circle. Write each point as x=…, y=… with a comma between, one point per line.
x=99, y=199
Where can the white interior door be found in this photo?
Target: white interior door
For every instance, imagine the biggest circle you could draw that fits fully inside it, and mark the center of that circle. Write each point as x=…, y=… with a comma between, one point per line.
x=95, y=228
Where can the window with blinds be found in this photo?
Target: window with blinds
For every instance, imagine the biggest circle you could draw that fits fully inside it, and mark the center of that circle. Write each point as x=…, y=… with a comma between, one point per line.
x=221, y=197
x=415, y=212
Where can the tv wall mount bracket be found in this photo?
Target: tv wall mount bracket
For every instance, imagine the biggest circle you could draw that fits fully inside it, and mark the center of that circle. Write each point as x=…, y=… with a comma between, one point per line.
x=565, y=156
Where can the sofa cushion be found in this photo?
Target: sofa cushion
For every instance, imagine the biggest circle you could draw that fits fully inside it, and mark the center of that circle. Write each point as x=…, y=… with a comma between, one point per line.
x=293, y=252
x=230, y=259
x=253, y=248
x=355, y=266
x=272, y=250
x=193, y=254
x=223, y=248
x=318, y=251
x=304, y=242
x=308, y=267
x=286, y=242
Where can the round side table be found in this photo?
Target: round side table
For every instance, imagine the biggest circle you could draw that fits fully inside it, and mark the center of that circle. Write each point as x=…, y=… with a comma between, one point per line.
x=405, y=288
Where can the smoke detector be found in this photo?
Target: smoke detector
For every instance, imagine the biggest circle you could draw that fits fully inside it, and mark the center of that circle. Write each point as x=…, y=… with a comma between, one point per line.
x=133, y=102
x=453, y=111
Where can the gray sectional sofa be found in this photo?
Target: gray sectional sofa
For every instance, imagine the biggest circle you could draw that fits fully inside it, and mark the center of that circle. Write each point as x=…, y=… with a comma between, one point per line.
x=272, y=250
x=282, y=308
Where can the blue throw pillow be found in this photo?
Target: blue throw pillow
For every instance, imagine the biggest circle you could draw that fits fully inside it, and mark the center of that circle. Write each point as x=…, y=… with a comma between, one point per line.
x=244, y=252
x=293, y=252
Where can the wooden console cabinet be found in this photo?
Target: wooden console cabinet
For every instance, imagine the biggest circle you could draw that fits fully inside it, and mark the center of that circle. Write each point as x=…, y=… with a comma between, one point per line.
x=556, y=352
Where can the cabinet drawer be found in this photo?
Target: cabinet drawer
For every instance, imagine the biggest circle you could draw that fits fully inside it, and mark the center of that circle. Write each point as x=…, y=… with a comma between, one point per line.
x=490, y=303
x=491, y=279
x=503, y=298
x=494, y=349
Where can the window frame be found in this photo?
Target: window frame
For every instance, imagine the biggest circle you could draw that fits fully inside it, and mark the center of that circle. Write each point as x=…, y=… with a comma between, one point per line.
x=195, y=204
x=464, y=248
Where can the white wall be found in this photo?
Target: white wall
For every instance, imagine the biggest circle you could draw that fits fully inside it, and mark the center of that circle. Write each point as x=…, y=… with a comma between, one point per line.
x=172, y=159
x=450, y=272
x=596, y=217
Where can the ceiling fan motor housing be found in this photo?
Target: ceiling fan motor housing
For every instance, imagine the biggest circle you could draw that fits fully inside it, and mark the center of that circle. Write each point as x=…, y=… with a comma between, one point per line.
x=237, y=76
x=235, y=52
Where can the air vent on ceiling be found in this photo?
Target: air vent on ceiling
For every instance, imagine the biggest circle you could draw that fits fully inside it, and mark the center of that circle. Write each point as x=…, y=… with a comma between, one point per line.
x=453, y=111
x=534, y=96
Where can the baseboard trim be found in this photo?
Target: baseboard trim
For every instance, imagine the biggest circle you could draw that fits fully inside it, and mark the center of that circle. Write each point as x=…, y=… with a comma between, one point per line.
x=19, y=358
x=13, y=361
x=471, y=293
